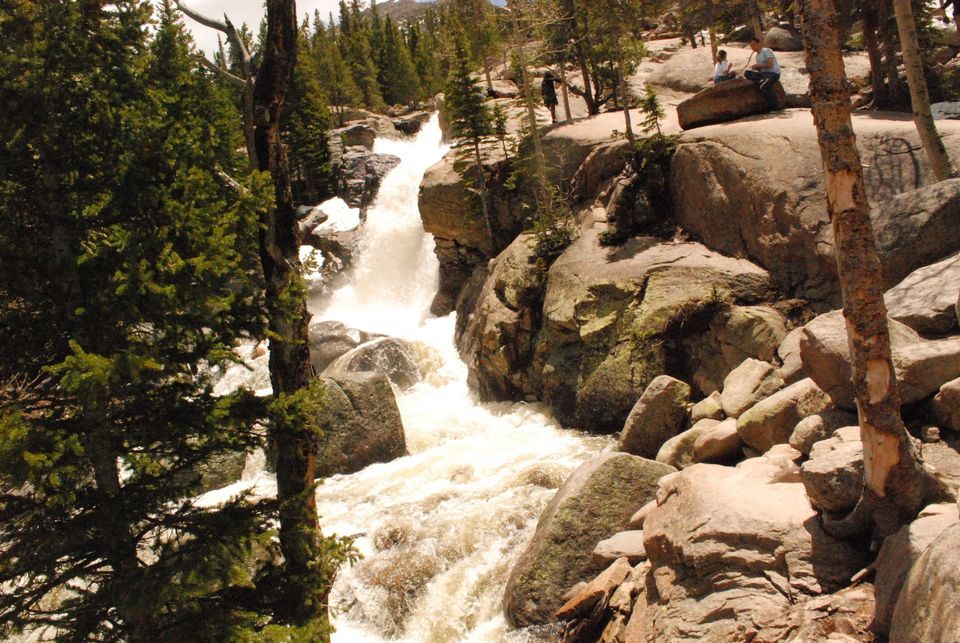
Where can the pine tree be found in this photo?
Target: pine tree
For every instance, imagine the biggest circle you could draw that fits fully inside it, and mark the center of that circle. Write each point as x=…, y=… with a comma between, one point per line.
x=398, y=77
x=332, y=72
x=127, y=251
x=305, y=123
x=354, y=43
x=470, y=118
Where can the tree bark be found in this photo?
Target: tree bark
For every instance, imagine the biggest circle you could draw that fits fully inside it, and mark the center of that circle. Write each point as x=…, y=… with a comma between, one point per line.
x=893, y=483
x=871, y=39
x=624, y=97
x=565, y=92
x=572, y=18
x=919, y=96
x=290, y=368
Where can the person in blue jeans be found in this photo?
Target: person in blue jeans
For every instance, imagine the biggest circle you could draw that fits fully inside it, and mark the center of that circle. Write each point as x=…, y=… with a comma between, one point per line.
x=765, y=72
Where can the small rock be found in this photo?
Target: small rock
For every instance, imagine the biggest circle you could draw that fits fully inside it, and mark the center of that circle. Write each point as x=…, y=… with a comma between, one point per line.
x=747, y=384
x=596, y=590
x=656, y=417
x=626, y=544
x=789, y=353
x=720, y=443
x=709, y=408
x=946, y=405
x=781, y=39
x=678, y=450
x=636, y=520
x=819, y=426
x=930, y=434
x=833, y=476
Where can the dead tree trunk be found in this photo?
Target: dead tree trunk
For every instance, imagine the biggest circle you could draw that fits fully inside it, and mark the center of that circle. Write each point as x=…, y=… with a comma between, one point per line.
x=624, y=94
x=893, y=476
x=871, y=37
x=919, y=96
x=290, y=368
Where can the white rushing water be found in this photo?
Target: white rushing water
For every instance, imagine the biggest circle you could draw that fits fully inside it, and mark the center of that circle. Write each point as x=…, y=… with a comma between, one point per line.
x=439, y=529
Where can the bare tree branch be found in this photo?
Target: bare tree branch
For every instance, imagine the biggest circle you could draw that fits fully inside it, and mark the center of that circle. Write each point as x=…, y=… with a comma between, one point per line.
x=220, y=71
x=202, y=19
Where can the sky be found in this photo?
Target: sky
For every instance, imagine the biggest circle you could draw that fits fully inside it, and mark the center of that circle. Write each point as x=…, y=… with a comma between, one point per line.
x=240, y=11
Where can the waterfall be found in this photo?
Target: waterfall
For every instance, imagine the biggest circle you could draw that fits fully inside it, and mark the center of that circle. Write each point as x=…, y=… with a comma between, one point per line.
x=439, y=529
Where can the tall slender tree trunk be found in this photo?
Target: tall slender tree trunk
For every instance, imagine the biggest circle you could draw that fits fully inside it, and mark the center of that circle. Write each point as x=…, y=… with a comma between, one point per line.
x=573, y=20
x=290, y=368
x=539, y=161
x=487, y=75
x=871, y=39
x=889, y=40
x=756, y=19
x=565, y=93
x=624, y=95
x=919, y=96
x=484, y=197
x=893, y=484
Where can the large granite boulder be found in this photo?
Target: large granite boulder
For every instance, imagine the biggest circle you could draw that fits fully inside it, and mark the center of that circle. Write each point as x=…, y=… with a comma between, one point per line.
x=657, y=416
x=928, y=608
x=825, y=352
x=361, y=424
x=615, y=318
x=754, y=189
x=727, y=101
x=898, y=554
x=594, y=503
x=772, y=420
x=331, y=339
x=361, y=174
x=497, y=333
x=732, y=550
x=747, y=384
x=926, y=300
x=395, y=358
x=783, y=39
x=833, y=476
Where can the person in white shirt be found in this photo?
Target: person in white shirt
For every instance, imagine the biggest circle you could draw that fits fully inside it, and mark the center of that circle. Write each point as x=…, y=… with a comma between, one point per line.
x=723, y=70
x=765, y=72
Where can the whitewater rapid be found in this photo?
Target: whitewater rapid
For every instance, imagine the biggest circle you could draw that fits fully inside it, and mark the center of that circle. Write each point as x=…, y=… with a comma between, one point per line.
x=440, y=528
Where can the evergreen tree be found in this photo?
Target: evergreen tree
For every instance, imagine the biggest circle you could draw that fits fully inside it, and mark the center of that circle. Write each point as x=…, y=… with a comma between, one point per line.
x=470, y=118
x=398, y=76
x=127, y=251
x=354, y=43
x=305, y=123
x=332, y=72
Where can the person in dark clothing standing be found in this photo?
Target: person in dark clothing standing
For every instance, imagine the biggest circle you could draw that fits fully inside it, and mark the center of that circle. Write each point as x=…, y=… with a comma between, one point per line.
x=548, y=91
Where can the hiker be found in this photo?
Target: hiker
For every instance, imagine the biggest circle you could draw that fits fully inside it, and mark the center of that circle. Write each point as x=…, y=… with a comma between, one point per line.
x=723, y=70
x=765, y=72
x=549, y=93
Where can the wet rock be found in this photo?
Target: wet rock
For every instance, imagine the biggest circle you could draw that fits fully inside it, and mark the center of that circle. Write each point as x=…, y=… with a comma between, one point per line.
x=313, y=218
x=394, y=358
x=656, y=417
x=898, y=554
x=819, y=426
x=679, y=451
x=720, y=443
x=331, y=339
x=608, y=488
x=361, y=135
x=783, y=39
x=727, y=101
x=928, y=608
x=833, y=476
x=926, y=299
x=625, y=544
x=731, y=551
x=411, y=123
x=361, y=174
x=771, y=421
x=497, y=333
x=361, y=424
x=747, y=384
x=709, y=408
x=825, y=353
x=218, y=471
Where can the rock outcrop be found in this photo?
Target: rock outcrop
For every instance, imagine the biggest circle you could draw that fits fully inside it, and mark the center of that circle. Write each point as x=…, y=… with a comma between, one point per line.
x=732, y=550
x=594, y=503
x=926, y=300
x=395, y=358
x=928, y=608
x=657, y=416
x=754, y=189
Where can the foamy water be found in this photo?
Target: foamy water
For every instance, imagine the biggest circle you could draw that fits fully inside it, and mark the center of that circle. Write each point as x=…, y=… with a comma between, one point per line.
x=440, y=528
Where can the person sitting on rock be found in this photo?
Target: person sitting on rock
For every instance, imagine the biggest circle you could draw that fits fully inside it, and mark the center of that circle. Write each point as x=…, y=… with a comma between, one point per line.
x=723, y=70
x=549, y=93
x=765, y=72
